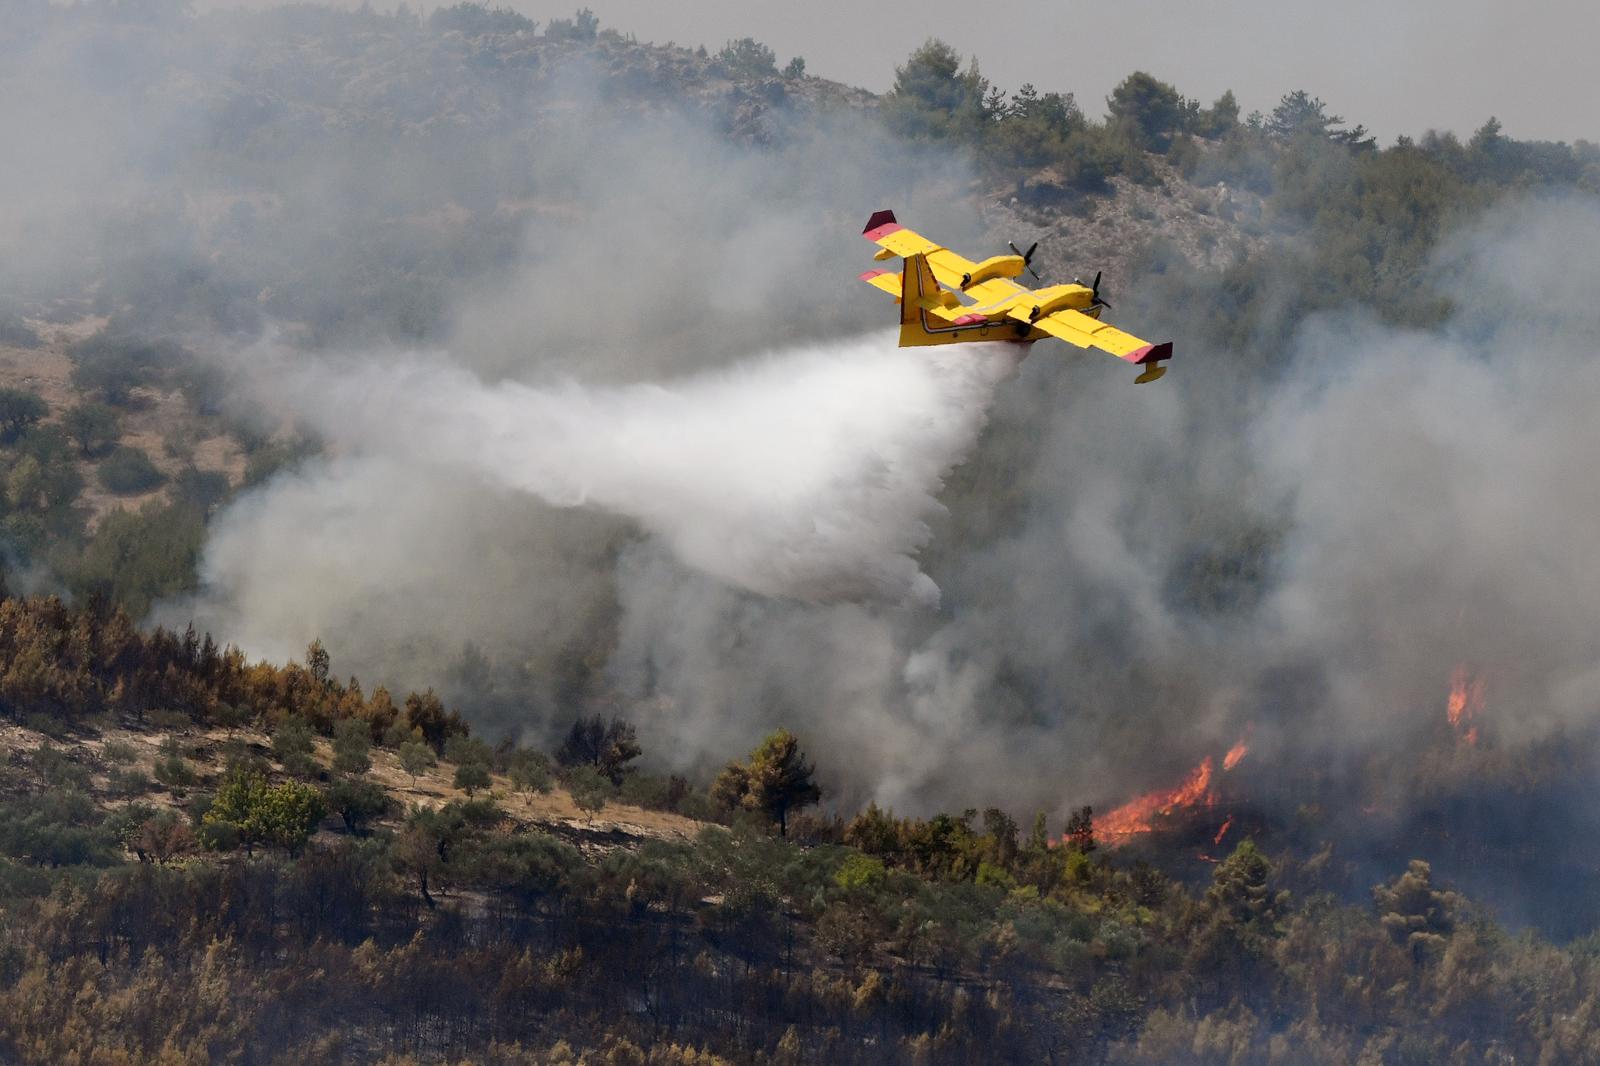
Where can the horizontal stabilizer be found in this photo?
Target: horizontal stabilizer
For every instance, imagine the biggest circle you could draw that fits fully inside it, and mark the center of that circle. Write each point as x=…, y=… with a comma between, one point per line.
x=888, y=281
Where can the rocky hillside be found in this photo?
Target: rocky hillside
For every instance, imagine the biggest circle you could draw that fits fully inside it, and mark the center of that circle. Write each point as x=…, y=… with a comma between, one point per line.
x=139, y=770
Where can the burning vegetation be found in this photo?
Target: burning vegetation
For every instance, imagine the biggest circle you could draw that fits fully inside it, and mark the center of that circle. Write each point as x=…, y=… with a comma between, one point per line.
x=1197, y=792
x=1464, y=704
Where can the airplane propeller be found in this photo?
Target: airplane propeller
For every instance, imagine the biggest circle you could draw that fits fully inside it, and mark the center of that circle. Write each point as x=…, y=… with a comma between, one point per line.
x=1027, y=257
x=1094, y=293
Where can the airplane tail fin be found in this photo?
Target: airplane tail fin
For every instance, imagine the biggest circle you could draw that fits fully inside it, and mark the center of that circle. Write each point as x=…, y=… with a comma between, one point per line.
x=916, y=283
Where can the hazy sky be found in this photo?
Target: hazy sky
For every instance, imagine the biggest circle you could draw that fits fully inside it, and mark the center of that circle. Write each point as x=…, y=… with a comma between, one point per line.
x=1398, y=67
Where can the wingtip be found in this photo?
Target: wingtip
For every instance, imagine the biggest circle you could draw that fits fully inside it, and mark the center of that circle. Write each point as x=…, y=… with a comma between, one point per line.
x=878, y=218
x=1151, y=356
x=880, y=225
x=1150, y=353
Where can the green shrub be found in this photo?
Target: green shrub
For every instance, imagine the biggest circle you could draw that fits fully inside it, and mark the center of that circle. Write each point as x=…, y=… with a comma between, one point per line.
x=583, y=26
x=398, y=733
x=23, y=882
x=357, y=802
x=136, y=558
x=128, y=471
x=1150, y=111
x=56, y=827
x=175, y=773
x=473, y=20
x=230, y=716
x=590, y=789
x=128, y=782
x=697, y=805
x=530, y=771
x=472, y=776
x=416, y=756
x=94, y=426
x=860, y=873
x=114, y=365
x=59, y=769
x=49, y=725
x=465, y=749
x=292, y=744
x=749, y=58
x=19, y=409
x=653, y=791
x=934, y=98
x=170, y=720
x=203, y=488
x=352, y=746
x=272, y=456
x=283, y=815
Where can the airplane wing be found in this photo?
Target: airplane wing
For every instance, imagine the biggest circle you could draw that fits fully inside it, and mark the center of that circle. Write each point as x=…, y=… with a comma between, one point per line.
x=895, y=240
x=1085, y=332
x=887, y=280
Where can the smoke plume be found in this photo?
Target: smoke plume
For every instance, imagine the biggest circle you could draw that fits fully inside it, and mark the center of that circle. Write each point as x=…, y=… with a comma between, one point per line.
x=807, y=474
x=604, y=425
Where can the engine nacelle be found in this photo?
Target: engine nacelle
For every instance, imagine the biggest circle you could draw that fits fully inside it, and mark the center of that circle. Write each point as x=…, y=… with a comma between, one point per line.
x=1064, y=298
x=996, y=266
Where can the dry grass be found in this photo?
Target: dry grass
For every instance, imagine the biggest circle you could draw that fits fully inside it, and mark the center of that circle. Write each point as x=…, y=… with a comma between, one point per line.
x=433, y=789
x=46, y=371
x=207, y=750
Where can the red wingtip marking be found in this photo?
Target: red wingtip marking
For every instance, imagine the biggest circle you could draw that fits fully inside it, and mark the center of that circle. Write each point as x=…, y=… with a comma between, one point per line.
x=869, y=275
x=877, y=233
x=1150, y=353
x=878, y=218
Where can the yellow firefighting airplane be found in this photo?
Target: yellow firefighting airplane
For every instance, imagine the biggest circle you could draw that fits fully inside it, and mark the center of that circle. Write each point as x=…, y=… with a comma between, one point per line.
x=999, y=308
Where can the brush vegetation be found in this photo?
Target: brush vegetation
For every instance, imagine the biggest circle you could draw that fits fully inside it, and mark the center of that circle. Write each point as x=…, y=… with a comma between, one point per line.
x=205, y=858
x=239, y=861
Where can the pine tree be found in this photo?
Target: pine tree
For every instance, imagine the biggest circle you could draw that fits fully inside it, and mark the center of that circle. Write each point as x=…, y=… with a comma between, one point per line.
x=780, y=779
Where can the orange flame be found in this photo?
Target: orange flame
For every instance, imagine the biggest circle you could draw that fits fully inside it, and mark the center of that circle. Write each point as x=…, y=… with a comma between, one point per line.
x=1138, y=815
x=1464, y=703
x=1227, y=825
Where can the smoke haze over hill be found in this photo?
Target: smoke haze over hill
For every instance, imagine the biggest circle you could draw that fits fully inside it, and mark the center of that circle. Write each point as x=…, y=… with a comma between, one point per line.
x=1407, y=480
x=609, y=424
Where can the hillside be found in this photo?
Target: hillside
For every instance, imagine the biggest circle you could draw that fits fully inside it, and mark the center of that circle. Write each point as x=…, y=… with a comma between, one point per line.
x=167, y=852
x=160, y=423
x=1248, y=718
x=113, y=782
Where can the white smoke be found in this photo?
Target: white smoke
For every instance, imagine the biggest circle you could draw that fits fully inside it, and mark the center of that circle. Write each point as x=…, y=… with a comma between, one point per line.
x=710, y=537
x=808, y=474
